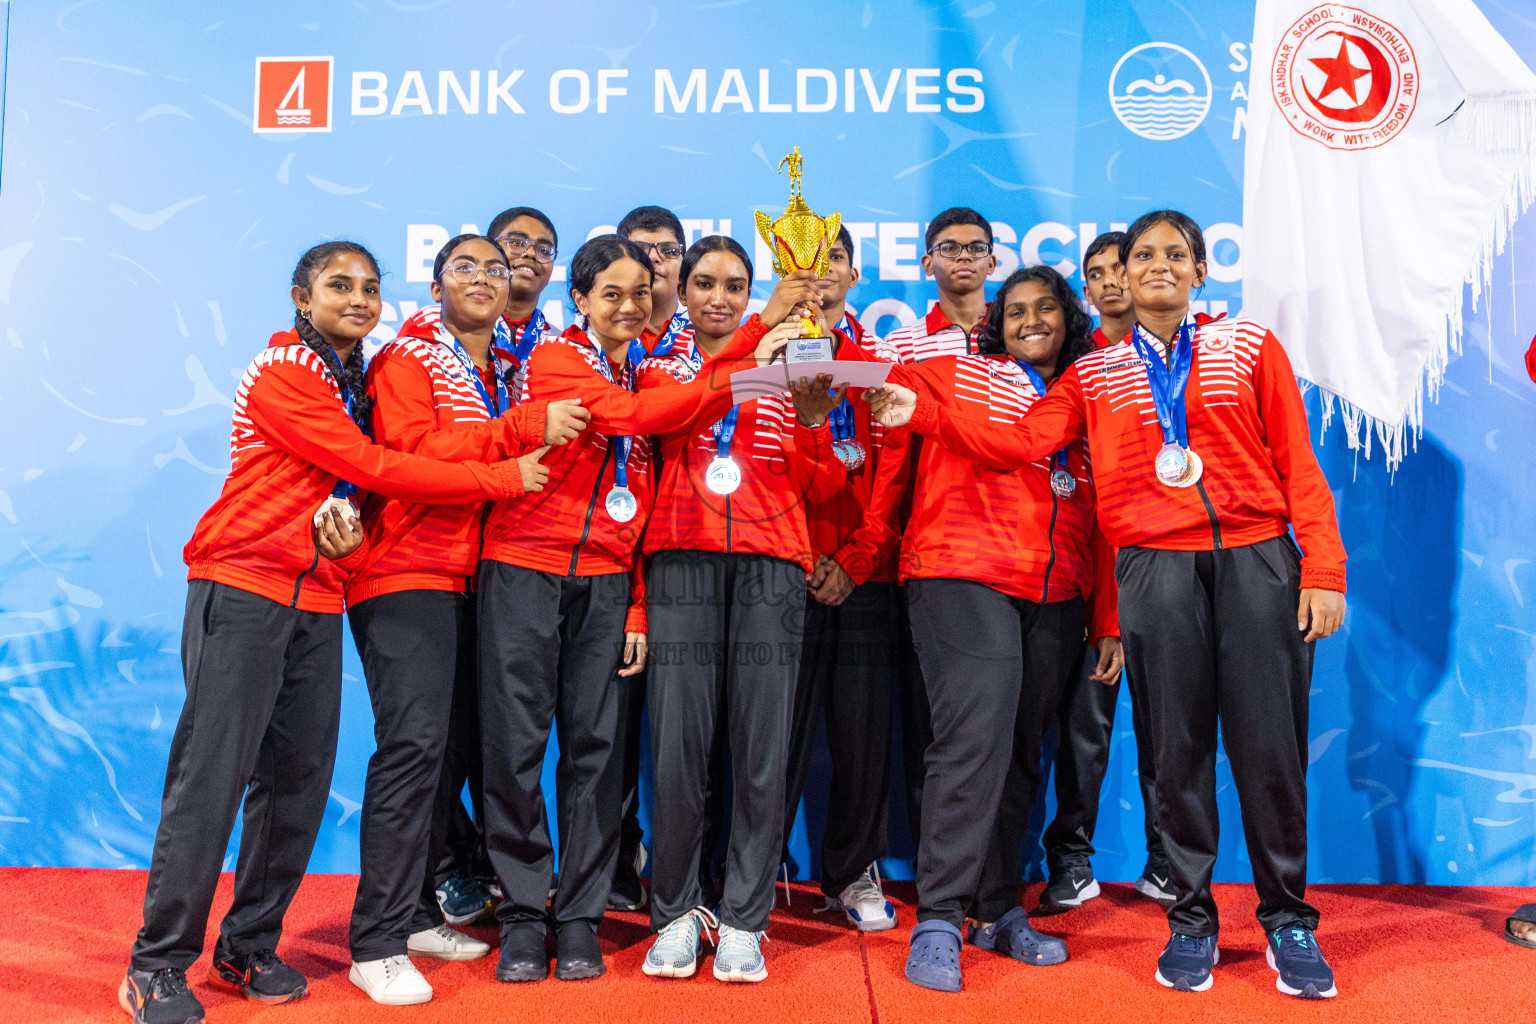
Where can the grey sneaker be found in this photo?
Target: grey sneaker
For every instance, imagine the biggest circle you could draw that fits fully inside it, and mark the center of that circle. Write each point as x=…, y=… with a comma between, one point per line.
x=675, y=953
x=739, y=955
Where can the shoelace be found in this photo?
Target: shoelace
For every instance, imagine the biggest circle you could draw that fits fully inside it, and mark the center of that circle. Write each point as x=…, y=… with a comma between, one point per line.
x=674, y=932
x=1190, y=945
x=394, y=965
x=261, y=960
x=1299, y=943
x=734, y=941
x=167, y=983
x=867, y=885
x=785, y=869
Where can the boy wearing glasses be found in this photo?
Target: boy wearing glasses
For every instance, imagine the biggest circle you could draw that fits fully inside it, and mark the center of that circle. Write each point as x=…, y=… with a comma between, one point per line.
x=529, y=241
x=466, y=885
x=958, y=256
x=657, y=230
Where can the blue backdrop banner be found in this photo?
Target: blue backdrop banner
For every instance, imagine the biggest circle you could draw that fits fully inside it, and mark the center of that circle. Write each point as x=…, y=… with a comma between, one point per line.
x=163, y=168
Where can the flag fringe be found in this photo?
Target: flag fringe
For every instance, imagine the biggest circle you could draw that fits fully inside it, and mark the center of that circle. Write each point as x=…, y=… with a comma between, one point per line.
x=1497, y=126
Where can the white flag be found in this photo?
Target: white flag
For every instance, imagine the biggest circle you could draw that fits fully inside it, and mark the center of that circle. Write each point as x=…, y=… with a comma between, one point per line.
x=1390, y=146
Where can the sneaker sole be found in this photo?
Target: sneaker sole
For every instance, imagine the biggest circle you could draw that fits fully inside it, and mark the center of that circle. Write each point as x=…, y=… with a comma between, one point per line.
x=1310, y=992
x=1152, y=892
x=456, y=954
x=122, y=1000
x=737, y=976
x=356, y=978
x=879, y=924
x=1203, y=986
x=670, y=971
x=480, y=915
x=218, y=981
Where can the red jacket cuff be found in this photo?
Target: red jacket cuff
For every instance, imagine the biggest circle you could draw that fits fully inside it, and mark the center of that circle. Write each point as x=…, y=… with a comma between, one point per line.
x=1322, y=577
x=925, y=418
x=635, y=621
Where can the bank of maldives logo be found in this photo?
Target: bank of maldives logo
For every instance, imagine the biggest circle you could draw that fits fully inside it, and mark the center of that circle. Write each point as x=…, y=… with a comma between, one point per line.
x=1345, y=78
x=1160, y=91
x=293, y=94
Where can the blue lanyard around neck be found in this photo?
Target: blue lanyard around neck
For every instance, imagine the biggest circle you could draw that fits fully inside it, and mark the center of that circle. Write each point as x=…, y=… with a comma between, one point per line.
x=1168, y=383
x=530, y=336
x=494, y=405
x=1039, y=384
x=675, y=327
x=622, y=444
x=841, y=418
x=332, y=361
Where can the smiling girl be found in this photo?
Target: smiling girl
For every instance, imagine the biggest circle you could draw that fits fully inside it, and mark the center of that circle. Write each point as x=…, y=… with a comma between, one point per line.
x=261, y=642
x=1204, y=465
x=1006, y=576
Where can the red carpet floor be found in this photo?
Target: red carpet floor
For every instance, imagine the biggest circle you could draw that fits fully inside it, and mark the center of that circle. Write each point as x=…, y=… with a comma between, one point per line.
x=1402, y=953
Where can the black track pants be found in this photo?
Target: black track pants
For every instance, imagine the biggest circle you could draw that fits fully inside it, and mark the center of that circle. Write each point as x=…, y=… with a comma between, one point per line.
x=916, y=718
x=416, y=647
x=549, y=650
x=1085, y=725
x=1212, y=635
x=726, y=635
x=845, y=667
x=260, y=719
x=995, y=667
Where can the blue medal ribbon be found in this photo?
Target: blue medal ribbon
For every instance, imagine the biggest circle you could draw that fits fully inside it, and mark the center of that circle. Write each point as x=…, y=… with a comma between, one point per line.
x=1039, y=385
x=725, y=431
x=622, y=445
x=530, y=336
x=1168, y=383
x=332, y=363
x=494, y=406
x=841, y=418
x=668, y=341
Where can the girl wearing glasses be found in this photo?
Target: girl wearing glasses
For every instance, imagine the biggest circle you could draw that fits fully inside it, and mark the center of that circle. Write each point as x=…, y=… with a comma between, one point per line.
x=1204, y=466
x=730, y=555
x=439, y=389
x=261, y=643
x=562, y=610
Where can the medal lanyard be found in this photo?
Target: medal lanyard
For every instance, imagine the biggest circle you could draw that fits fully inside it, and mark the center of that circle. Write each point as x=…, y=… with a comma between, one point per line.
x=494, y=406
x=677, y=325
x=1039, y=384
x=530, y=337
x=332, y=361
x=1168, y=383
x=841, y=418
x=622, y=444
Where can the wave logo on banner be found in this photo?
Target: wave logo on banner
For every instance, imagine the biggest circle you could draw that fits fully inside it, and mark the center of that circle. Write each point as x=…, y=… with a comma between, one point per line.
x=1160, y=91
x=293, y=94
x=1345, y=77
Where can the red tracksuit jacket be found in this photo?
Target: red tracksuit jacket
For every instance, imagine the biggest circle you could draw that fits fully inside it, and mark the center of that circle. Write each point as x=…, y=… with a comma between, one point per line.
x=291, y=442
x=1005, y=528
x=783, y=466
x=1246, y=422
x=565, y=528
x=426, y=403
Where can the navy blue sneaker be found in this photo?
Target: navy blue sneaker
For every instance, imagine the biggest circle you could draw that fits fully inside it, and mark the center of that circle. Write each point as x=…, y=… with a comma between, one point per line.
x=1187, y=961
x=464, y=900
x=1300, y=968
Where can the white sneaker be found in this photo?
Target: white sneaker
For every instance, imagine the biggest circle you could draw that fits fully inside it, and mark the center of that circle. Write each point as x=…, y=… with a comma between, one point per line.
x=865, y=904
x=443, y=943
x=675, y=953
x=739, y=955
x=393, y=981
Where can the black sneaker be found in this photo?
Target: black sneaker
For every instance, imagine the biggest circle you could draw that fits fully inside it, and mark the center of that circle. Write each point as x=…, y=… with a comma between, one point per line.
x=1068, y=890
x=259, y=976
x=1299, y=966
x=159, y=997
x=1156, y=882
x=464, y=900
x=1187, y=961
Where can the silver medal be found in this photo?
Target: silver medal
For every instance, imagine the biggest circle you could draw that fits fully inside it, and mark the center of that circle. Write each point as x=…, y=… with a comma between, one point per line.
x=1172, y=464
x=1063, y=483
x=855, y=453
x=621, y=504
x=722, y=475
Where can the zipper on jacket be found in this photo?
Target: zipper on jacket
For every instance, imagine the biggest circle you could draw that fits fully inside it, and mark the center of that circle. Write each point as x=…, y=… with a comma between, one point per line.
x=586, y=527
x=1050, y=543
x=727, y=524
x=1210, y=511
x=298, y=583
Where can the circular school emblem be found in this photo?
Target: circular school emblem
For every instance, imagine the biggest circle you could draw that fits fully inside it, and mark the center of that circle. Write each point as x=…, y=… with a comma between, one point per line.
x=1345, y=78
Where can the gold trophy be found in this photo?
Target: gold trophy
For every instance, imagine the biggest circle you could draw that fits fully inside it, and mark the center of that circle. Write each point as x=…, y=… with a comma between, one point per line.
x=800, y=240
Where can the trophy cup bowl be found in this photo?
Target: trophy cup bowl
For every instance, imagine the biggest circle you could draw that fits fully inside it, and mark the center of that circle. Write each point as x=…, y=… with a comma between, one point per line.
x=800, y=240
